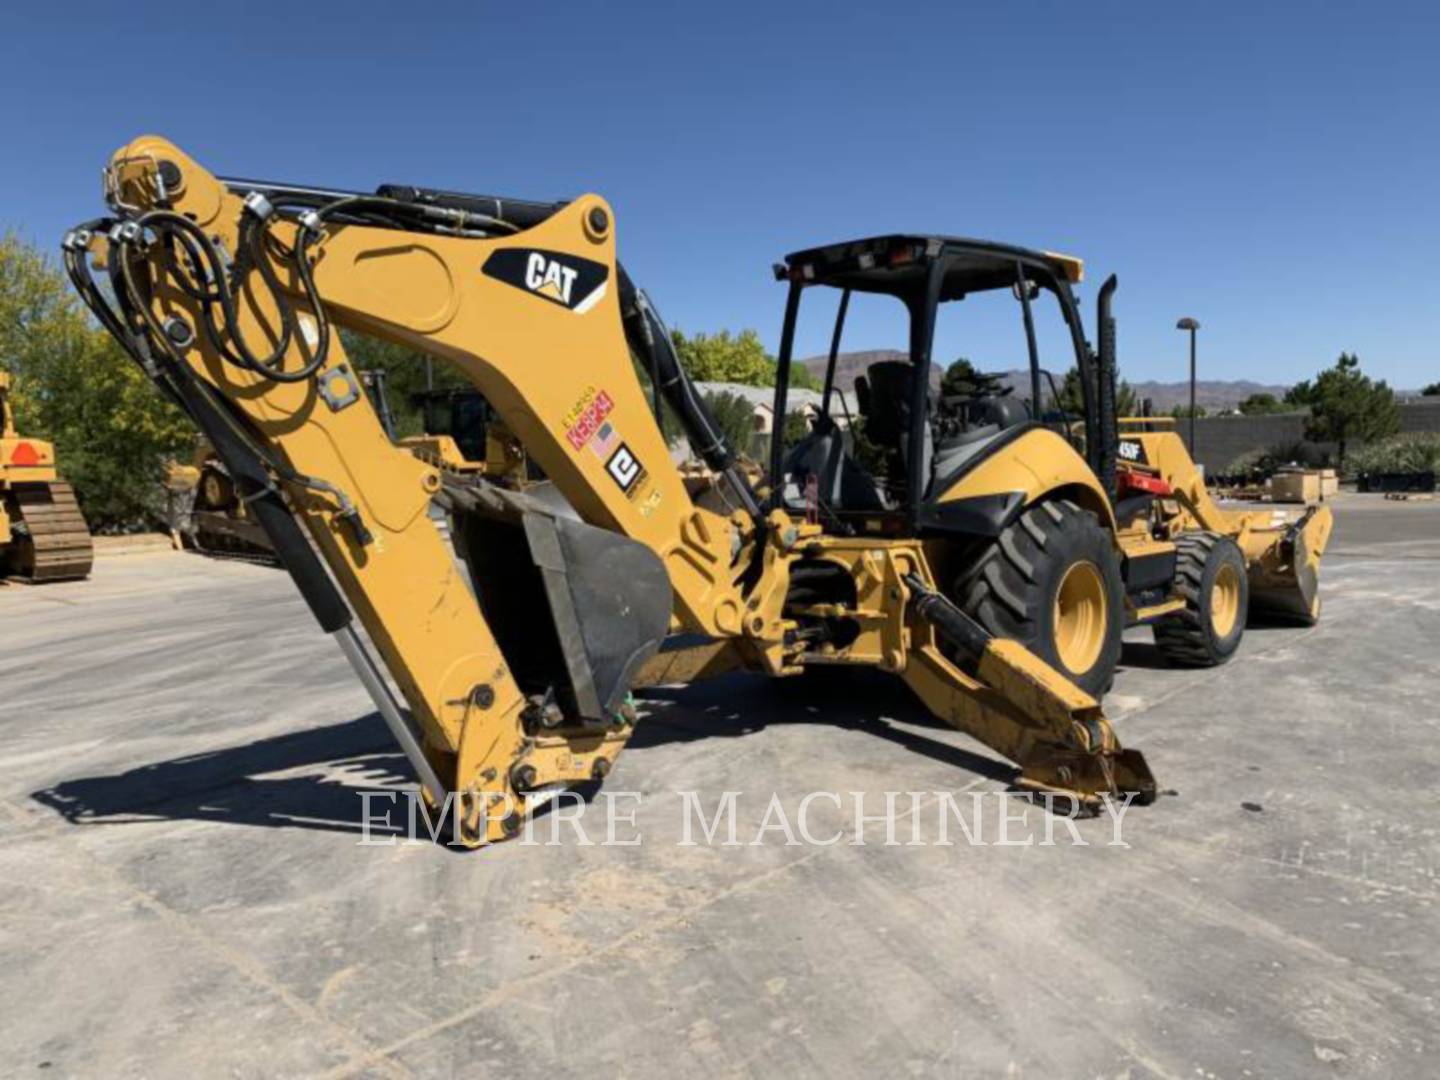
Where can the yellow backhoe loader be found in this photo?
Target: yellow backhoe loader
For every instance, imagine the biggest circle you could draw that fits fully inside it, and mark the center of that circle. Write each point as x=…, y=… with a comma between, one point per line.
x=1046, y=530
x=229, y=294
x=43, y=535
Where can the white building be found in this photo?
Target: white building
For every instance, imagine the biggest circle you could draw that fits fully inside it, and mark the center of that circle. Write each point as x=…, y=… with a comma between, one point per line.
x=762, y=400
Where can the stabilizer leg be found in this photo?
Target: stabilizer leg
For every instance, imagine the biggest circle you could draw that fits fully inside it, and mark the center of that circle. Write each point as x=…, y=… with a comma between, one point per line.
x=1020, y=706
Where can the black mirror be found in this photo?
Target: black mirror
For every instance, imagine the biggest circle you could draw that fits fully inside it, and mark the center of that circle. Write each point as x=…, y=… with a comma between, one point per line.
x=1032, y=290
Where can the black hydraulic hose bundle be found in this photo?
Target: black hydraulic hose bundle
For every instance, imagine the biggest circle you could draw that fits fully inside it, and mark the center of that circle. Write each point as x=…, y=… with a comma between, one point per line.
x=201, y=270
x=650, y=339
x=250, y=469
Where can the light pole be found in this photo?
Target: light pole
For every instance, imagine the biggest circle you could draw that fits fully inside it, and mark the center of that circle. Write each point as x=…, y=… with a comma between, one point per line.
x=1192, y=325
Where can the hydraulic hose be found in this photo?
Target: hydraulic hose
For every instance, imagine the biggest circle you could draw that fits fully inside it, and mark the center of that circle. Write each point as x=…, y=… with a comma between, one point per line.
x=263, y=498
x=221, y=292
x=650, y=339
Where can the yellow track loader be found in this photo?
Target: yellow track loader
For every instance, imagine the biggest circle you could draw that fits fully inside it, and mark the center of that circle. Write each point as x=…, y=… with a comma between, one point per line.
x=229, y=293
x=461, y=437
x=43, y=535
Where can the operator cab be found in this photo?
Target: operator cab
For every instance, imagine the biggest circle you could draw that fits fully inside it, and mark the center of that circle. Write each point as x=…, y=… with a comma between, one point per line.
x=462, y=414
x=912, y=433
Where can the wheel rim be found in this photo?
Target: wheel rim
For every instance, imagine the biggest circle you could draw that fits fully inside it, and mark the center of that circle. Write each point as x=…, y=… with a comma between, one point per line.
x=1225, y=601
x=1081, y=610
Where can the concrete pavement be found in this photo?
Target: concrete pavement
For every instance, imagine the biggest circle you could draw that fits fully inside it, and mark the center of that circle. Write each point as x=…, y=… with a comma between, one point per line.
x=182, y=890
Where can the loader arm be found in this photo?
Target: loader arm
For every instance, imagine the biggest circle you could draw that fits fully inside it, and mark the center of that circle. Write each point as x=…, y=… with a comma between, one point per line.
x=231, y=295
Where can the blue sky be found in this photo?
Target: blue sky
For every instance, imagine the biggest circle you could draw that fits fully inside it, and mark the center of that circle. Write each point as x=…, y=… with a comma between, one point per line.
x=1271, y=170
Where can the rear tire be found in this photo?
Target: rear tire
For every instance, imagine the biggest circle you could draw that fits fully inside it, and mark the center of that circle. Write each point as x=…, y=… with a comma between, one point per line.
x=1210, y=576
x=1051, y=581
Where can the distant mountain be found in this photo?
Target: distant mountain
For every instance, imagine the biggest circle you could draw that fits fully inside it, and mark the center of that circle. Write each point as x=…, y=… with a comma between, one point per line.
x=850, y=364
x=1211, y=394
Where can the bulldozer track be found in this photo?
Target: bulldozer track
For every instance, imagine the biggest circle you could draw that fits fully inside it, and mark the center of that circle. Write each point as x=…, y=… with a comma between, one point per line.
x=237, y=554
x=55, y=544
x=217, y=535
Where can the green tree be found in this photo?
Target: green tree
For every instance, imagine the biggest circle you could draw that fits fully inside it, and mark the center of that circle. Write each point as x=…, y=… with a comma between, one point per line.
x=797, y=426
x=735, y=358
x=803, y=378
x=1433, y=390
x=1417, y=451
x=725, y=357
x=1182, y=412
x=1347, y=406
x=74, y=386
x=670, y=426
x=735, y=418
x=962, y=378
x=1300, y=395
x=1072, y=401
x=1262, y=404
x=405, y=375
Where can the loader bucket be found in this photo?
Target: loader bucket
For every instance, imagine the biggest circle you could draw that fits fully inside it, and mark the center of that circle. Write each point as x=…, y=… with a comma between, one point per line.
x=1285, y=580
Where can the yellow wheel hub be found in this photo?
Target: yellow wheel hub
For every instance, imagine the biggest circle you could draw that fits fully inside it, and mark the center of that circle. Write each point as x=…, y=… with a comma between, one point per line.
x=1081, y=615
x=1225, y=601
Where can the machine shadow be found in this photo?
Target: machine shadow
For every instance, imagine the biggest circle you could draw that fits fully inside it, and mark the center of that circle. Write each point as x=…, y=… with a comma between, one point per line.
x=1144, y=655
x=312, y=779
x=853, y=699
x=306, y=779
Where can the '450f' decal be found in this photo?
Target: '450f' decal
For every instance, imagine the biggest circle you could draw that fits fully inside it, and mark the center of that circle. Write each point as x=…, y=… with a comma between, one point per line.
x=1130, y=450
x=567, y=280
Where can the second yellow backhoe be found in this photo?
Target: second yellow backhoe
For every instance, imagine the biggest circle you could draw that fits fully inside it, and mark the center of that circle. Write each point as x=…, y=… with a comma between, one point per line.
x=229, y=293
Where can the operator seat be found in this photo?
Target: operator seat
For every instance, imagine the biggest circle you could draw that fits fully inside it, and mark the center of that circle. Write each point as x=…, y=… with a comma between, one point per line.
x=843, y=483
x=885, y=402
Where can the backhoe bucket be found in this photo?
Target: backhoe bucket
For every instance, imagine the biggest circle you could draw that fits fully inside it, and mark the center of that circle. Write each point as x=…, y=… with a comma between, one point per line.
x=576, y=610
x=1285, y=580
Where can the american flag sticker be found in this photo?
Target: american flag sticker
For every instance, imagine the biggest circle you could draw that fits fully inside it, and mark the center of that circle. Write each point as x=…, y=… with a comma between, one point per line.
x=604, y=441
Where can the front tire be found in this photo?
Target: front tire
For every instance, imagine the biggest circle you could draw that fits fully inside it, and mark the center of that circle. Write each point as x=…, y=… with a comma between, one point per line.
x=1210, y=576
x=1051, y=581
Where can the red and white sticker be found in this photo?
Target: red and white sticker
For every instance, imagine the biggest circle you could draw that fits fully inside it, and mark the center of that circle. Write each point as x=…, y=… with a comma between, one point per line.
x=584, y=420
